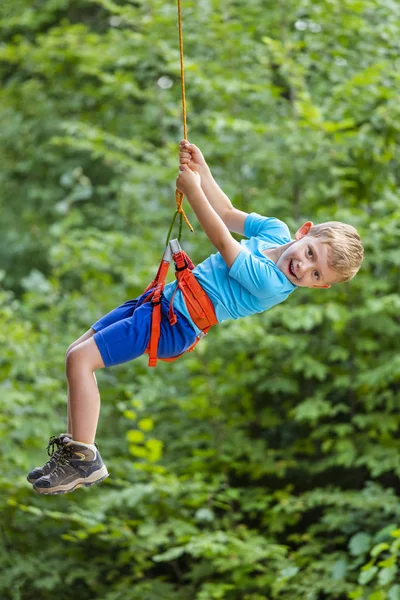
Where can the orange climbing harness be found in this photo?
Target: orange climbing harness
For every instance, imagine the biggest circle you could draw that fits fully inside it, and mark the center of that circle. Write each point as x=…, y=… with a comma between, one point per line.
x=199, y=305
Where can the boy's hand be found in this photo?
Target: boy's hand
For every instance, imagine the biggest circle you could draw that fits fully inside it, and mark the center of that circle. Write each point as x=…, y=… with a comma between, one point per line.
x=187, y=180
x=190, y=155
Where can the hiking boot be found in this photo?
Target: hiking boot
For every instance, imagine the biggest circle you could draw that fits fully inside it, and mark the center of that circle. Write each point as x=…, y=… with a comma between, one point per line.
x=38, y=472
x=78, y=464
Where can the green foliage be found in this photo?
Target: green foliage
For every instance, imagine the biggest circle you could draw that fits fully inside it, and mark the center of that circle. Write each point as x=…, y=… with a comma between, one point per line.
x=264, y=465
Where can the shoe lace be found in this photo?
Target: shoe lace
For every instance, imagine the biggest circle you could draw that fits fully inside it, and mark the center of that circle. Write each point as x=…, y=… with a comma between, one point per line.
x=63, y=456
x=53, y=441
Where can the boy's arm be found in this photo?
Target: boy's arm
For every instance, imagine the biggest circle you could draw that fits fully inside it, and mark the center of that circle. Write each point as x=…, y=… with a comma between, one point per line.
x=232, y=217
x=188, y=183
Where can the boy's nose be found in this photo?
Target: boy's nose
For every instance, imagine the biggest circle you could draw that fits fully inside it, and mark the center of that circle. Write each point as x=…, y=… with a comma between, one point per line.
x=302, y=269
x=299, y=268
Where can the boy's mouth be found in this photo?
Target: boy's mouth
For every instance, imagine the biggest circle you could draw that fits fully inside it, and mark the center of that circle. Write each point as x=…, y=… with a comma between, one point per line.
x=291, y=269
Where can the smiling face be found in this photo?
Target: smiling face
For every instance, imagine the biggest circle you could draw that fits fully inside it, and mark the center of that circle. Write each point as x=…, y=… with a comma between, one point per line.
x=305, y=261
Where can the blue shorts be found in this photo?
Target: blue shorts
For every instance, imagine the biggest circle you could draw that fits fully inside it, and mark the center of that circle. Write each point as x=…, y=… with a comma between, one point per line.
x=124, y=333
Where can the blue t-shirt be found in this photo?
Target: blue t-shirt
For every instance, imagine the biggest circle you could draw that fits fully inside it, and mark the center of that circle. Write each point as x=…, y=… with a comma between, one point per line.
x=252, y=284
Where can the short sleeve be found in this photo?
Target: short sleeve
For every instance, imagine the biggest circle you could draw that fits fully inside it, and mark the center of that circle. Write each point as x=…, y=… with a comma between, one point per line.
x=259, y=277
x=266, y=228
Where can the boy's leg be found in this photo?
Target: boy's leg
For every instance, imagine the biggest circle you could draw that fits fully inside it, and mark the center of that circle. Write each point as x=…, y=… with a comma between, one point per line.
x=122, y=335
x=38, y=472
x=86, y=336
x=79, y=461
x=118, y=314
x=84, y=398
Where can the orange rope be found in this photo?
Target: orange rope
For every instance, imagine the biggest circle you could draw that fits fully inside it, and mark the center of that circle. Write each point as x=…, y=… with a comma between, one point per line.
x=178, y=195
x=182, y=70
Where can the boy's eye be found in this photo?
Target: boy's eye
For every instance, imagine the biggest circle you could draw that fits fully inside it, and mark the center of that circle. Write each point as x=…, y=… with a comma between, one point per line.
x=316, y=275
x=310, y=253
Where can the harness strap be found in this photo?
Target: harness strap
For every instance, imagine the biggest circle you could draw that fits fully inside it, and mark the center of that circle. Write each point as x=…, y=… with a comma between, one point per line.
x=199, y=305
x=154, y=334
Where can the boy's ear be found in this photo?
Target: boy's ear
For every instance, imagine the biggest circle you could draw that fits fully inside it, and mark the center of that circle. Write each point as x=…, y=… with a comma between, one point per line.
x=304, y=229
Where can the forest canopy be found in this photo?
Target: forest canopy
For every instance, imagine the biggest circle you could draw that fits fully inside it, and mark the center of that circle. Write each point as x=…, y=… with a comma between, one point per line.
x=265, y=464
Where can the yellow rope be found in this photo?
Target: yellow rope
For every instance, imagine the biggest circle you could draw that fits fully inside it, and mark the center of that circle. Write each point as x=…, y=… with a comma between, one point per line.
x=182, y=69
x=178, y=195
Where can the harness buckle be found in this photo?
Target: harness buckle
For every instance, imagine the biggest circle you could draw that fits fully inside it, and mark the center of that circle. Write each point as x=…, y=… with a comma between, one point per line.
x=175, y=246
x=178, y=269
x=172, y=248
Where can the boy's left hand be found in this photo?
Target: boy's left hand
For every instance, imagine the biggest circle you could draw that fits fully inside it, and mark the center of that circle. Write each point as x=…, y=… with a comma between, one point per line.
x=187, y=180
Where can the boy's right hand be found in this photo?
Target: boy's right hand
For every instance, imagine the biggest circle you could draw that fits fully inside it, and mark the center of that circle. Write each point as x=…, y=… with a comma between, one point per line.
x=187, y=180
x=190, y=155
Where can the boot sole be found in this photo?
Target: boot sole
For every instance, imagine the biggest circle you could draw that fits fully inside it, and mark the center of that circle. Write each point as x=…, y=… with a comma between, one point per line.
x=83, y=482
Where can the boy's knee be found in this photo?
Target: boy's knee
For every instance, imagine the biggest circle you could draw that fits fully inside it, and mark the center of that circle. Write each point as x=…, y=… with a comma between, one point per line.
x=78, y=341
x=75, y=360
x=83, y=357
x=69, y=349
x=70, y=359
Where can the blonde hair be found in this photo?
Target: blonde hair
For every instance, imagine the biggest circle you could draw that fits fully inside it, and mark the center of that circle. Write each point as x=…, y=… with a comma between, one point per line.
x=346, y=251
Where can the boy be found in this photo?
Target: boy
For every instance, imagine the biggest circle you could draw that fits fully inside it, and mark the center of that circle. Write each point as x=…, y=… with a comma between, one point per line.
x=241, y=279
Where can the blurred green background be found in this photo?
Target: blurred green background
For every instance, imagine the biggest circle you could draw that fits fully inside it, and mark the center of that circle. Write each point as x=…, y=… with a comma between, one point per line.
x=265, y=465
